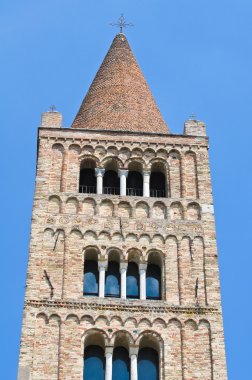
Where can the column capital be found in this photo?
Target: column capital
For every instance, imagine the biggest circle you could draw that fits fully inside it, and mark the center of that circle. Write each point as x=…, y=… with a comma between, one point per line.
x=123, y=266
x=143, y=266
x=109, y=350
x=99, y=172
x=123, y=172
x=133, y=350
x=146, y=172
x=102, y=264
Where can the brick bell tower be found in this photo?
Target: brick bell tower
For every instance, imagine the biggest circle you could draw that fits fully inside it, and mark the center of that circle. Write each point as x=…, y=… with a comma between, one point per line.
x=123, y=279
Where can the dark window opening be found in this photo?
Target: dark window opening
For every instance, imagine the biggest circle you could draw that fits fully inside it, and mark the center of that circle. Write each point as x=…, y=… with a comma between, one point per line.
x=148, y=364
x=121, y=364
x=87, y=182
x=132, y=281
x=111, y=183
x=153, y=282
x=157, y=185
x=112, y=281
x=94, y=363
x=134, y=184
x=91, y=278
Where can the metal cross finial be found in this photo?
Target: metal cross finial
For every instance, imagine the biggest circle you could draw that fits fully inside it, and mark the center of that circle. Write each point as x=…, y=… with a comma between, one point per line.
x=52, y=108
x=121, y=23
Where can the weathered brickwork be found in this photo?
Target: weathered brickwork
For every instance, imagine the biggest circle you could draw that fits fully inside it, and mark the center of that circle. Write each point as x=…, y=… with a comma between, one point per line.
x=119, y=98
x=176, y=231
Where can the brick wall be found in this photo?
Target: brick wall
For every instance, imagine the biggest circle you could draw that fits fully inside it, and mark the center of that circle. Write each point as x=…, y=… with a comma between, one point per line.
x=178, y=230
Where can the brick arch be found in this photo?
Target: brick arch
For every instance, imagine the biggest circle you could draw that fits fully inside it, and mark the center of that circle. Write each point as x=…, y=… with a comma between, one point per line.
x=87, y=318
x=193, y=211
x=142, y=210
x=159, y=210
x=72, y=205
x=122, y=334
x=102, y=319
x=144, y=322
x=92, y=248
x=159, y=321
x=138, y=161
x=176, y=211
x=54, y=204
x=76, y=233
x=75, y=147
x=89, y=157
x=134, y=254
x=93, y=333
x=130, y=320
x=117, y=320
x=87, y=148
x=107, y=160
x=73, y=318
x=117, y=250
x=43, y=317
x=162, y=153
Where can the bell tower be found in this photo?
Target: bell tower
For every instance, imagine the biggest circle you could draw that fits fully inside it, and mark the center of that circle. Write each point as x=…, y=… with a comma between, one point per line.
x=123, y=278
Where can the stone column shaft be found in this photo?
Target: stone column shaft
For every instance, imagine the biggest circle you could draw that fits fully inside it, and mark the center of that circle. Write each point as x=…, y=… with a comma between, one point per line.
x=133, y=363
x=123, y=174
x=146, y=183
x=142, y=270
x=102, y=268
x=99, y=180
x=123, y=270
x=109, y=362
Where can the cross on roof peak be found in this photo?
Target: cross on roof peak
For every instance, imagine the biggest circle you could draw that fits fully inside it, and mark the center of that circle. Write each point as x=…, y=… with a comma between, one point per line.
x=52, y=108
x=121, y=23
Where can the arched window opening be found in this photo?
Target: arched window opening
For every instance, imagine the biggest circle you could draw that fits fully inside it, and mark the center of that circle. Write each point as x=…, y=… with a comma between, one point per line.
x=111, y=183
x=135, y=180
x=121, y=364
x=87, y=182
x=153, y=282
x=132, y=281
x=94, y=363
x=158, y=181
x=91, y=278
x=112, y=281
x=148, y=364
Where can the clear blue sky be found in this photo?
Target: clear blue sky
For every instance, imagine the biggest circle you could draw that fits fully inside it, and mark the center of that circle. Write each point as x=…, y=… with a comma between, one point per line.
x=196, y=56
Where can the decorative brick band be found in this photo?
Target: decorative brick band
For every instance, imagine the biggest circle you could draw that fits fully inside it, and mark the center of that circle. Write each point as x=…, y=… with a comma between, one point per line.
x=162, y=309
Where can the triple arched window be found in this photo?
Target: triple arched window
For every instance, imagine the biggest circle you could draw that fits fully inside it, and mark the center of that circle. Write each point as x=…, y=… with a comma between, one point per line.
x=95, y=364
x=116, y=285
x=114, y=181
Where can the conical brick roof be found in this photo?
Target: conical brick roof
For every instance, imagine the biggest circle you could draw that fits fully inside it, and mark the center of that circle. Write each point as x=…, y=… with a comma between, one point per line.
x=119, y=98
